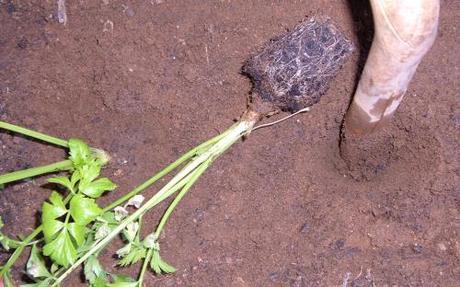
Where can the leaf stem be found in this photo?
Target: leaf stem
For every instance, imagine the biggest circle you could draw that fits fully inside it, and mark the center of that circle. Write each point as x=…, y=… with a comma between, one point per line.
x=34, y=171
x=34, y=134
x=17, y=252
x=188, y=155
x=196, y=174
x=147, y=259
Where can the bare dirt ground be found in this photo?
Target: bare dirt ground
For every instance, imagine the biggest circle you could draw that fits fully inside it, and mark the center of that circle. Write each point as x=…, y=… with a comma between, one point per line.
x=147, y=80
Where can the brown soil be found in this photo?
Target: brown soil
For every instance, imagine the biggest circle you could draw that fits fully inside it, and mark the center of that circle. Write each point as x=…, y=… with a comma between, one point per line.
x=147, y=80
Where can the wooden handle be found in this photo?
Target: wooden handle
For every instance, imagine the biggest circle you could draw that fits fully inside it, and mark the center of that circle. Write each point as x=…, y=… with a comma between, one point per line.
x=404, y=32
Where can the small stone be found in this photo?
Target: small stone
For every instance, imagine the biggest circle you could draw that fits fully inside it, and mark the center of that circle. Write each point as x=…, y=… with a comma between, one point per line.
x=108, y=26
x=417, y=248
x=118, y=173
x=274, y=276
x=442, y=246
x=129, y=12
x=23, y=43
x=339, y=244
x=304, y=228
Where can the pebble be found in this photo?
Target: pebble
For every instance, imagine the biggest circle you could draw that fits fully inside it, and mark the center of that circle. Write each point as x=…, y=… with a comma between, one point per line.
x=304, y=228
x=442, y=246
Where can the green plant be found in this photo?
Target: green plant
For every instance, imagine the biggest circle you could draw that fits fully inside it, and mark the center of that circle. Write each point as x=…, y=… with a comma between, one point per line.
x=50, y=168
x=64, y=221
x=75, y=229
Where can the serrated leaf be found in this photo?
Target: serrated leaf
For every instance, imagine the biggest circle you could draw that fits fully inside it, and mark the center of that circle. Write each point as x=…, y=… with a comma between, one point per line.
x=75, y=177
x=159, y=266
x=83, y=210
x=51, y=227
x=122, y=252
x=61, y=250
x=93, y=271
x=79, y=152
x=89, y=171
x=165, y=267
x=123, y=281
x=55, y=208
x=135, y=254
x=108, y=217
x=64, y=181
x=35, y=266
x=96, y=188
x=154, y=263
x=77, y=231
x=99, y=282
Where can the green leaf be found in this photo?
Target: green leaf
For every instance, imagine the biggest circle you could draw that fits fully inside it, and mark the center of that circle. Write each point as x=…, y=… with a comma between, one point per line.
x=123, y=281
x=86, y=246
x=80, y=152
x=61, y=250
x=75, y=177
x=99, y=282
x=50, y=212
x=159, y=266
x=89, y=171
x=77, y=232
x=64, y=181
x=97, y=187
x=7, y=242
x=51, y=227
x=135, y=254
x=93, y=271
x=83, y=209
x=56, y=208
x=35, y=267
x=165, y=267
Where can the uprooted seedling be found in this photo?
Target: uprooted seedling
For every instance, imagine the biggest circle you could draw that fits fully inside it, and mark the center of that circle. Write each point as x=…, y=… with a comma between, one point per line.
x=291, y=73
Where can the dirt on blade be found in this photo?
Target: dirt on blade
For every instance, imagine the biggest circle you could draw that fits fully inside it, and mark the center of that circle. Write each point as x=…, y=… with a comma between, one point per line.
x=147, y=80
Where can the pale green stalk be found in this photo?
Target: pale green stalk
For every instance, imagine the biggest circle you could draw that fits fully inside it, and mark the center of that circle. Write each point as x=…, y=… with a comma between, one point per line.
x=34, y=171
x=34, y=134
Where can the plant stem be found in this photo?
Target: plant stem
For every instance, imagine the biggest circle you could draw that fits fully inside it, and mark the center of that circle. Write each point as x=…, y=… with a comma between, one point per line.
x=180, y=179
x=188, y=155
x=200, y=170
x=34, y=171
x=147, y=259
x=17, y=252
x=34, y=134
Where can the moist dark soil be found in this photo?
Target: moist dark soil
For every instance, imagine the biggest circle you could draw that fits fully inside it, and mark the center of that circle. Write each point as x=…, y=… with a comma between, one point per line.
x=147, y=80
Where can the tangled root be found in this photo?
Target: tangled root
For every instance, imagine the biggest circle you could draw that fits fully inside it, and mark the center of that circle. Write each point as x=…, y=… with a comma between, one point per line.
x=293, y=71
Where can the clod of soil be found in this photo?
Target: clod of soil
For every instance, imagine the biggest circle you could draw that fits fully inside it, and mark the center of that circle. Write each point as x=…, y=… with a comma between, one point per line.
x=294, y=70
